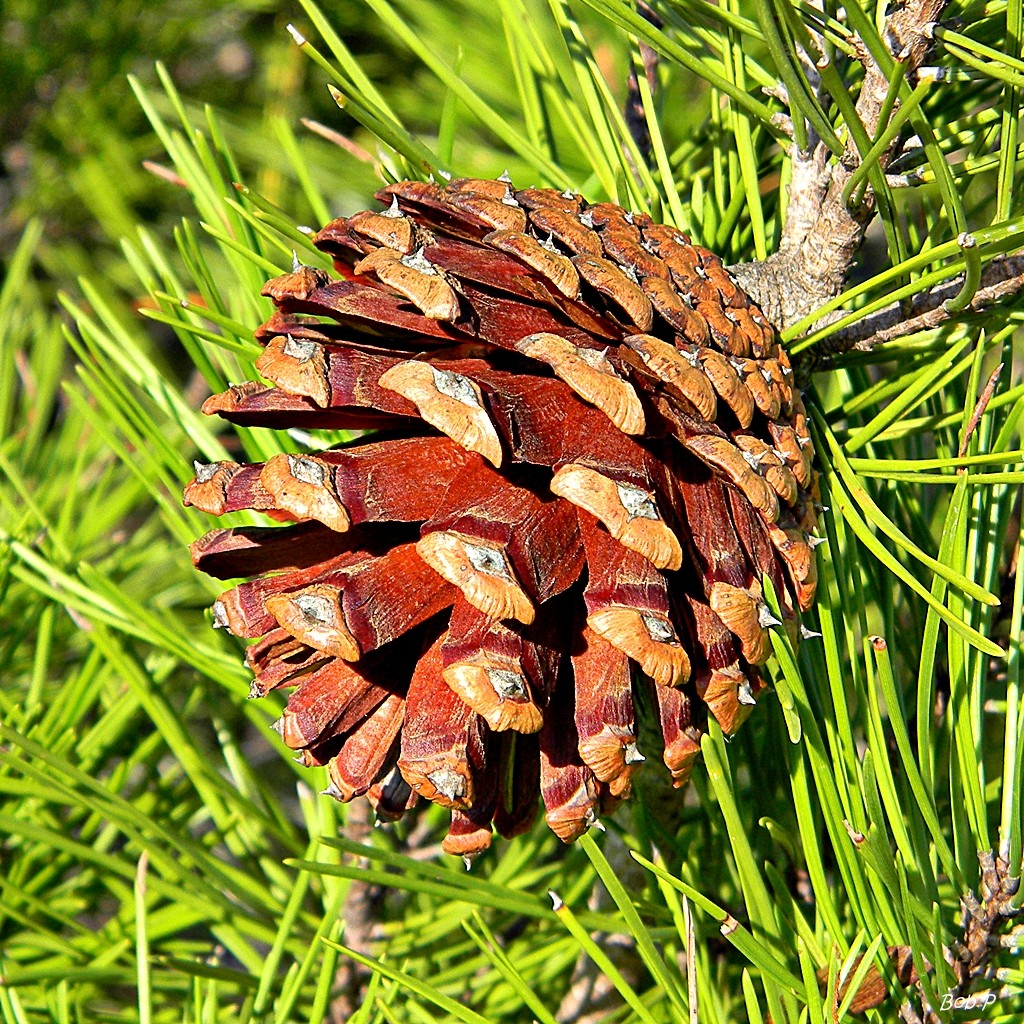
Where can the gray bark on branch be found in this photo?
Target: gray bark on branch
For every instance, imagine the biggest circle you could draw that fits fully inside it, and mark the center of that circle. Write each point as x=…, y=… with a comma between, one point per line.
x=823, y=234
x=1002, y=278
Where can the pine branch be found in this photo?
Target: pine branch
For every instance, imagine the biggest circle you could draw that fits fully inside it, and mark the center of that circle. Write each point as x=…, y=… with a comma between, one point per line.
x=823, y=232
x=1001, y=279
x=985, y=915
x=362, y=920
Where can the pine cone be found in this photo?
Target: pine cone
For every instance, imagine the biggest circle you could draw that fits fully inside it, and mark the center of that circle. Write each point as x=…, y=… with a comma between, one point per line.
x=592, y=454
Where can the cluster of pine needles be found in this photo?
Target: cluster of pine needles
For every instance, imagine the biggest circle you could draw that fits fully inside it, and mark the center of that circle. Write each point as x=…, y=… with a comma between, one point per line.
x=161, y=857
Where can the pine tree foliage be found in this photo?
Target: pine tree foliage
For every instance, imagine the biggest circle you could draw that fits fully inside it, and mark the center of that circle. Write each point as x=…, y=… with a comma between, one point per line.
x=853, y=853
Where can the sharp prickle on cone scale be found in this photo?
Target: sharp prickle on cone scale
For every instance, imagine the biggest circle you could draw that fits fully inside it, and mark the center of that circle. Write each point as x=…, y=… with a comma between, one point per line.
x=595, y=459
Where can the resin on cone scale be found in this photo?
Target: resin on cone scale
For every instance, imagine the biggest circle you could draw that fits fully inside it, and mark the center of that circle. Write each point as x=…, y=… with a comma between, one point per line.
x=594, y=455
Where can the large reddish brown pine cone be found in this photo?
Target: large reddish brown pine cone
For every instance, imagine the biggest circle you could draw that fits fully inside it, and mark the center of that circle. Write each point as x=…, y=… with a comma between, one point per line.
x=594, y=453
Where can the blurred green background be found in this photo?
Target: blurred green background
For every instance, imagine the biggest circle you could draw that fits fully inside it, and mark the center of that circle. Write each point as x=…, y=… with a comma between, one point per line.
x=68, y=115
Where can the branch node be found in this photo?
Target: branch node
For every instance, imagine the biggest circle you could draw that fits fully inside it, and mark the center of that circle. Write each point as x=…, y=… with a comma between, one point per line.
x=784, y=124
